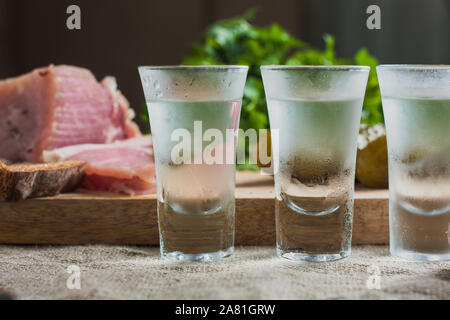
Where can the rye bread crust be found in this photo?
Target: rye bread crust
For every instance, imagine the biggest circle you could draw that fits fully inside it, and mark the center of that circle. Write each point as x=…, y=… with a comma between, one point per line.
x=22, y=181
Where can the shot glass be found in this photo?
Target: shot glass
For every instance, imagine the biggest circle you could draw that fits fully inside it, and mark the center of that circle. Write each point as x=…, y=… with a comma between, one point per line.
x=317, y=111
x=416, y=106
x=194, y=117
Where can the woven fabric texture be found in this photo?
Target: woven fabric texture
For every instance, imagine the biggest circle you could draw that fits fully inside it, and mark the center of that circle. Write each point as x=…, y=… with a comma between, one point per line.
x=117, y=272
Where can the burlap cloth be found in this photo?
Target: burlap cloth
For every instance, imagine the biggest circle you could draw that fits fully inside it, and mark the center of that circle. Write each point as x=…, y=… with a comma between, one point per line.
x=251, y=273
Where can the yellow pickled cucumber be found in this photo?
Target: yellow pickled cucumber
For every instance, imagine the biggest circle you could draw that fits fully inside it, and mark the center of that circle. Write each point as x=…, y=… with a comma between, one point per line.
x=372, y=160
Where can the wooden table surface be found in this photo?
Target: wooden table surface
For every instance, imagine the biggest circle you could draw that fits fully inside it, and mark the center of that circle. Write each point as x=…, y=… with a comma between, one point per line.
x=104, y=219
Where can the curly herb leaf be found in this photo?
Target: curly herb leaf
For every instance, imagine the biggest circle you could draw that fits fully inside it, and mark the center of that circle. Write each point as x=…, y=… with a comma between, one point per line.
x=237, y=41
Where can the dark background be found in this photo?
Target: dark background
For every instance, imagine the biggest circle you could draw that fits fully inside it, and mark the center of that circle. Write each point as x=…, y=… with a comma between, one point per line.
x=117, y=36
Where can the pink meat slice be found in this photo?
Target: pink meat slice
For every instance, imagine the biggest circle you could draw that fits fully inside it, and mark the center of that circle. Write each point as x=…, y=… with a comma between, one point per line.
x=125, y=167
x=58, y=106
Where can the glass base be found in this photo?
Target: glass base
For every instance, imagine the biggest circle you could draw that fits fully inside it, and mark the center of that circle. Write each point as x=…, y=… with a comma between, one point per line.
x=298, y=256
x=197, y=257
x=419, y=256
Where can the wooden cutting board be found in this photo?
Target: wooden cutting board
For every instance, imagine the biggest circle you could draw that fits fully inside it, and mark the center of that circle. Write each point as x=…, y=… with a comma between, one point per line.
x=87, y=219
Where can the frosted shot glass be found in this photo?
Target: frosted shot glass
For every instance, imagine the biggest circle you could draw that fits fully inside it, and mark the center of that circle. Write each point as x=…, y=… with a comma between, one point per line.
x=416, y=106
x=317, y=111
x=189, y=108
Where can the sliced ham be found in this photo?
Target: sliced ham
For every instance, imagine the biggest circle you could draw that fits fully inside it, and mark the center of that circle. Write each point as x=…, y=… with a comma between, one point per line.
x=59, y=106
x=124, y=167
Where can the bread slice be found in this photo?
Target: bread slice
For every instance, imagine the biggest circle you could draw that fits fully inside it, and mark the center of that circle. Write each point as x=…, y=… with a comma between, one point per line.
x=23, y=181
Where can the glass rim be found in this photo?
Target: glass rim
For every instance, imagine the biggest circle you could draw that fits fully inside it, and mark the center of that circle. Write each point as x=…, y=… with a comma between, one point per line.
x=316, y=67
x=415, y=67
x=235, y=68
